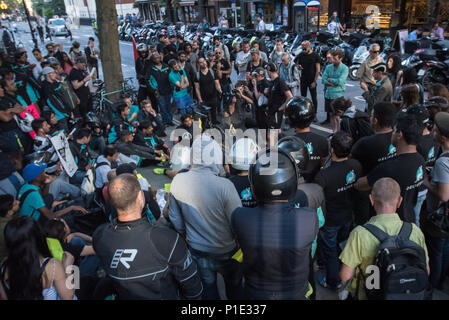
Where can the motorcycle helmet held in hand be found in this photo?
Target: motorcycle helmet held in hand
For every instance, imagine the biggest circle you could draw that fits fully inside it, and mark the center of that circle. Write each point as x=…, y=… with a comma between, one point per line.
x=300, y=112
x=297, y=149
x=92, y=120
x=272, y=181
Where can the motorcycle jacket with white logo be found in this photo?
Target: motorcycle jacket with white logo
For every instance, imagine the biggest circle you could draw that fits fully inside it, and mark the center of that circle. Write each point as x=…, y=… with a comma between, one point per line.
x=146, y=262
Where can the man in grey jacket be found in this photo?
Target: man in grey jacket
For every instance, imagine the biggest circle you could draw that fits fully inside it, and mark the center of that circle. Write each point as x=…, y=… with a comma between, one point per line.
x=382, y=91
x=289, y=73
x=200, y=207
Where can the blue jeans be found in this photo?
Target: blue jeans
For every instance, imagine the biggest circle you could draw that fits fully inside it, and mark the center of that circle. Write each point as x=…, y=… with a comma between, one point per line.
x=97, y=143
x=183, y=103
x=209, y=266
x=438, y=250
x=89, y=264
x=164, y=103
x=421, y=197
x=77, y=178
x=330, y=238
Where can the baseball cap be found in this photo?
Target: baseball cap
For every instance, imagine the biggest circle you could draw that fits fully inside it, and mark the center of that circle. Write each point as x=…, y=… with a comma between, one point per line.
x=126, y=168
x=271, y=67
x=80, y=59
x=259, y=71
x=47, y=70
x=53, y=61
x=380, y=67
x=254, y=50
x=442, y=122
x=32, y=170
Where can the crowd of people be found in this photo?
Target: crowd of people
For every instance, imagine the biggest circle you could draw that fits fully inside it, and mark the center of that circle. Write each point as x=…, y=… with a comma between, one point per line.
x=327, y=204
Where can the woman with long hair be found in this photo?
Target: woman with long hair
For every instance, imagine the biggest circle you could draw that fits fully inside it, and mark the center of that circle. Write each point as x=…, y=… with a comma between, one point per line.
x=66, y=63
x=438, y=89
x=409, y=95
x=28, y=273
x=394, y=69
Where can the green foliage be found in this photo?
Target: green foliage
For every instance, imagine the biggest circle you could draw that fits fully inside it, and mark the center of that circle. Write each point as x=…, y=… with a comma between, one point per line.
x=49, y=9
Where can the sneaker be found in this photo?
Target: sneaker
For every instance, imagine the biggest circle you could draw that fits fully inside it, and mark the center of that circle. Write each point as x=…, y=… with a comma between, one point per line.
x=323, y=283
x=159, y=171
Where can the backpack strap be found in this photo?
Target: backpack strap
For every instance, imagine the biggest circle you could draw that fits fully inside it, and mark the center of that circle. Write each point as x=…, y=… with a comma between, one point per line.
x=406, y=230
x=24, y=196
x=101, y=164
x=375, y=231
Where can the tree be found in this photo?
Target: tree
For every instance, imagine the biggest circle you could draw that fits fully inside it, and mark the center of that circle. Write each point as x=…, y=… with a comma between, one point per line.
x=109, y=45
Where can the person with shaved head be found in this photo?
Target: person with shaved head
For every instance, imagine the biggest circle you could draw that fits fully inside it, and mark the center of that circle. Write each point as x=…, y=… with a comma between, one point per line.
x=361, y=247
x=145, y=261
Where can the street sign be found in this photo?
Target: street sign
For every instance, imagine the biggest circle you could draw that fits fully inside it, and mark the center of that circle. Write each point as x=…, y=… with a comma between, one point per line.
x=233, y=5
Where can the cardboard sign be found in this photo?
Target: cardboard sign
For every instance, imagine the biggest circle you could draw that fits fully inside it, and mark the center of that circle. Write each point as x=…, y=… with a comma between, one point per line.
x=61, y=145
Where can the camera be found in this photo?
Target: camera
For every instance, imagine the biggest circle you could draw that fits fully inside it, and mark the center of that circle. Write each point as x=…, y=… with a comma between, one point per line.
x=234, y=92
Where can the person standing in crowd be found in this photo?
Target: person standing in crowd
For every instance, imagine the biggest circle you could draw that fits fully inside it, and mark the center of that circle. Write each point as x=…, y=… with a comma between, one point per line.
x=337, y=181
x=160, y=83
x=173, y=273
x=75, y=51
x=361, y=248
x=416, y=34
x=437, y=31
x=29, y=272
x=180, y=84
x=289, y=73
x=407, y=168
x=188, y=69
x=334, y=26
x=280, y=94
x=223, y=21
x=222, y=68
x=260, y=25
x=142, y=65
x=308, y=62
x=223, y=49
x=301, y=112
x=208, y=89
x=191, y=57
x=278, y=51
x=334, y=78
x=241, y=61
x=263, y=55
x=204, y=217
x=80, y=80
x=437, y=199
x=254, y=63
x=394, y=69
x=382, y=89
x=288, y=234
x=365, y=72
x=37, y=71
x=92, y=55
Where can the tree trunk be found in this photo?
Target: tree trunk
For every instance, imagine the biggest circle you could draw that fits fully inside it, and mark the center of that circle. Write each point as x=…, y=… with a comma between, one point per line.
x=109, y=46
x=433, y=10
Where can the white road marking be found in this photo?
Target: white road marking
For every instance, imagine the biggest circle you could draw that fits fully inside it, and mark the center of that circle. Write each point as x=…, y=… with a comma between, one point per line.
x=314, y=126
x=350, y=85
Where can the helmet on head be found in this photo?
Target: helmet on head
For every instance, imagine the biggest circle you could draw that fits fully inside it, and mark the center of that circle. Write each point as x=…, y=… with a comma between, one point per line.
x=92, y=120
x=300, y=112
x=421, y=114
x=273, y=183
x=142, y=47
x=297, y=149
x=243, y=153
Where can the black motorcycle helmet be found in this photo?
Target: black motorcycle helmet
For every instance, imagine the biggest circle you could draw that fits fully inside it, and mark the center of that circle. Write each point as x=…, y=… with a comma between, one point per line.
x=92, y=120
x=142, y=48
x=300, y=112
x=281, y=181
x=297, y=149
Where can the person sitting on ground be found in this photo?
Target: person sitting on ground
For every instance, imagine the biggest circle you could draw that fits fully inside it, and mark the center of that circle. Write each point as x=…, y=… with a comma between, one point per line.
x=147, y=113
x=143, y=155
x=120, y=123
x=145, y=136
x=42, y=144
x=361, y=247
x=35, y=200
x=133, y=109
x=29, y=272
x=105, y=163
x=84, y=157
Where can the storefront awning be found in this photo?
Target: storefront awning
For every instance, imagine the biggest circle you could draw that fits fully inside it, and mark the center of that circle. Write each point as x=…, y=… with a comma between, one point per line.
x=313, y=3
x=299, y=4
x=186, y=3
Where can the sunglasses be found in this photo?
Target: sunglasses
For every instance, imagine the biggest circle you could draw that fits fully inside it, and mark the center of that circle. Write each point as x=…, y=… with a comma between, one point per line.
x=375, y=51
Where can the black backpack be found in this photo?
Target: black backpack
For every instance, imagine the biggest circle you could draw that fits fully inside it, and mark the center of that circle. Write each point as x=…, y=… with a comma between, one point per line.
x=402, y=266
x=358, y=127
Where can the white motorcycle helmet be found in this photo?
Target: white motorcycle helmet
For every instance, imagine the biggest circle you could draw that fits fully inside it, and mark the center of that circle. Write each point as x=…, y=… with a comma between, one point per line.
x=180, y=157
x=243, y=154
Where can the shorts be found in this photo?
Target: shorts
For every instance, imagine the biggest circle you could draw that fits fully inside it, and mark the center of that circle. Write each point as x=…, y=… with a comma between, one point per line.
x=275, y=120
x=183, y=102
x=327, y=105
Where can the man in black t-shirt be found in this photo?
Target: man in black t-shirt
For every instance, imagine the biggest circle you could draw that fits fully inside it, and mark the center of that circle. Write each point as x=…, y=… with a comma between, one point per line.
x=337, y=181
x=308, y=62
x=407, y=168
x=373, y=150
x=279, y=95
x=80, y=82
x=222, y=69
x=254, y=63
x=208, y=88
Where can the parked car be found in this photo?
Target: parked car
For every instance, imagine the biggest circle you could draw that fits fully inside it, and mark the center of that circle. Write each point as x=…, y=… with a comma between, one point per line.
x=58, y=27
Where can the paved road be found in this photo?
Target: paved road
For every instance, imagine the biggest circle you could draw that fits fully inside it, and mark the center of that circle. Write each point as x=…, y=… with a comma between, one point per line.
x=158, y=181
